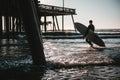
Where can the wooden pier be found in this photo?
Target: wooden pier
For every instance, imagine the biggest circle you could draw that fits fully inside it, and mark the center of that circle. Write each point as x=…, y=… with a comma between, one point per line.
x=54, y=11
x=24, y=16
x=49, y=10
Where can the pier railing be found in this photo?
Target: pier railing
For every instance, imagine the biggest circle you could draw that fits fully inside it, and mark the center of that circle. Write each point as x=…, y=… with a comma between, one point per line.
x=55, y=10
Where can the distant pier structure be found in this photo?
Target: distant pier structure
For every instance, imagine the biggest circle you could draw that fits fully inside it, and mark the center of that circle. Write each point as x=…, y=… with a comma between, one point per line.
x=54, y=11
x=12, y=23
x=24, y=17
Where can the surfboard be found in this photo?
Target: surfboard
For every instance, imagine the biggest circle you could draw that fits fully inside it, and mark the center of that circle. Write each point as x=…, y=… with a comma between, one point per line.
x=93, y=37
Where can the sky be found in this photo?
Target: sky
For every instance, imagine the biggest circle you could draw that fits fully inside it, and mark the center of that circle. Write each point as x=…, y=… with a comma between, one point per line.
x=104, y=13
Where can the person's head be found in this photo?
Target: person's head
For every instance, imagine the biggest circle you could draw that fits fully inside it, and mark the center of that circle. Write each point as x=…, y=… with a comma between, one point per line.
x=90, y=21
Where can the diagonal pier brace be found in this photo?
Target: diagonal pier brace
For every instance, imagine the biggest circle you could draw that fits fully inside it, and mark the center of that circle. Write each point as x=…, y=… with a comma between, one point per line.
x=31, y=24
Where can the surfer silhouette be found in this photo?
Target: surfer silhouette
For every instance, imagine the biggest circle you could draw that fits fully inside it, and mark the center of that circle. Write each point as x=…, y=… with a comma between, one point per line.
x=90, y=27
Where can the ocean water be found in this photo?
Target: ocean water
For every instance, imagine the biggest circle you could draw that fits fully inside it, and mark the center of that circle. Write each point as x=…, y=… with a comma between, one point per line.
x=68, y=59
x=76, y=52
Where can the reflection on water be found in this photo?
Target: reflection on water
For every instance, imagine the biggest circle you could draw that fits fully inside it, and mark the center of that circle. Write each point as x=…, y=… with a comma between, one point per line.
x=13, y=54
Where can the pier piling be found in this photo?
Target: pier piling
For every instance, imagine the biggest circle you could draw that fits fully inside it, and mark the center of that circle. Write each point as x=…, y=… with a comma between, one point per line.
x=31, y=24
x=24, y=16
x=0, y=26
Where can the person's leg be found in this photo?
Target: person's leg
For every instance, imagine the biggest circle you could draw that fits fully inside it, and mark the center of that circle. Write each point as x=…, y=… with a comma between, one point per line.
x=89, y=42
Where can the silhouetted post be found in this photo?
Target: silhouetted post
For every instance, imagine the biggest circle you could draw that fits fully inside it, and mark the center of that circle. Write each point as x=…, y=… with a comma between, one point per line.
x=57, y=23
x=4, y=24
x=63, y=18
x=0, y=25
x=54, y=27
x=10, y=23
x=31, y=24
x=17, y=25
x=62, y=22
x=45, y=27
x=13, y=27
x=7, y=27
x=0, y=28
x=73, y=23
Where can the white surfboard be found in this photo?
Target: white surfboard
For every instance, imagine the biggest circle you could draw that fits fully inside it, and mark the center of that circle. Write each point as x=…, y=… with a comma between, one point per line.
x=93, y=37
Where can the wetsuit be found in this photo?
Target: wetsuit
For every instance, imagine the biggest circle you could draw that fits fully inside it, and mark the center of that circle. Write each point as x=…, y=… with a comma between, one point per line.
x=90, y=27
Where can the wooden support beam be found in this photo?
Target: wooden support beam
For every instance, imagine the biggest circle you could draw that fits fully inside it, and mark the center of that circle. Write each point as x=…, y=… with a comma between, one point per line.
x=45, y=24
x=0, y=29
x=31, y=24
x=57, y=23
x=17, y=24
x=62, y=22
x=10, y=23
x=0, y=26
x=4, y=22
x=73, y=23
x=13, y=27
x=54, y=27
x=20, y=29
x=7, y=27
